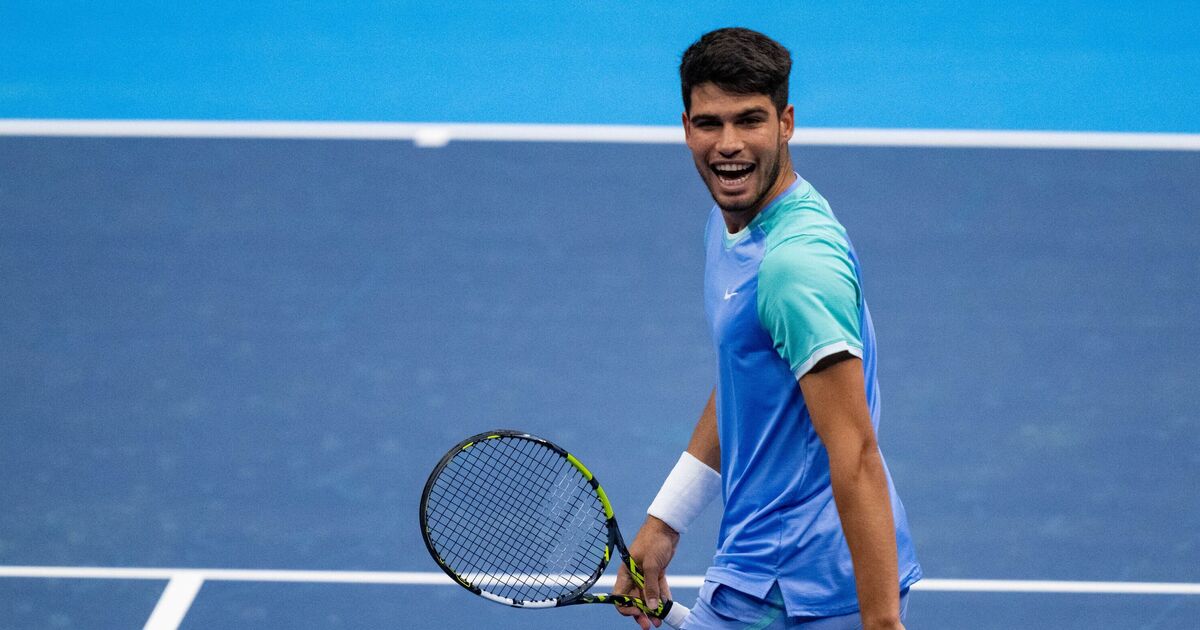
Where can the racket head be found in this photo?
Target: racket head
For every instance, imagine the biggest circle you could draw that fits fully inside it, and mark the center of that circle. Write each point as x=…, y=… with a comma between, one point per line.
x=516, y=519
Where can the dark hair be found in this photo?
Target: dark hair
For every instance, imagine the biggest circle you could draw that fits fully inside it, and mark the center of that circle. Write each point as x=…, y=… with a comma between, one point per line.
x=737, y=60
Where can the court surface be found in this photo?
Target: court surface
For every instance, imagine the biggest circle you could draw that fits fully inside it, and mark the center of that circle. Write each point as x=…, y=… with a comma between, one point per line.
x=247, y=354
x=228, y=363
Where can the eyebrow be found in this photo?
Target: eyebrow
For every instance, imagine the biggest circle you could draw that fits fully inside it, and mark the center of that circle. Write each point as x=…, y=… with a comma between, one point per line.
x=742, y=114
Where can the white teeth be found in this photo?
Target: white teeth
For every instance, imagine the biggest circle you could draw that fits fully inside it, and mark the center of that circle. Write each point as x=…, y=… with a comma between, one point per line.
x=734, y=182
x=733, y=174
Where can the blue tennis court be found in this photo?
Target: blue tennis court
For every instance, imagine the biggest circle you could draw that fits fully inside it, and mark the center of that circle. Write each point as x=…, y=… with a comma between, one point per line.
x=229, y=362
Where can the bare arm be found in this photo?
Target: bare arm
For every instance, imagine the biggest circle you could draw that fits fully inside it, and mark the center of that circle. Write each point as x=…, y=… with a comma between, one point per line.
x=654, y=546
x=837, y=402
x=705, y=445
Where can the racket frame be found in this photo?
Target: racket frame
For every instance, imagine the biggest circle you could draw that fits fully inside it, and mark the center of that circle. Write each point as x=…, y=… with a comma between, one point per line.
x=576, y=596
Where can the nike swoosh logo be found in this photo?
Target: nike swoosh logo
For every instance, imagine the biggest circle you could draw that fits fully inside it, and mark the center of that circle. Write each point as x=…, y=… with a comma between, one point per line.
x=729, y=294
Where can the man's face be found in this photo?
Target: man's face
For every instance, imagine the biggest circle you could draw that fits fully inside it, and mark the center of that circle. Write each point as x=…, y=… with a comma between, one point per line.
x=739, y=144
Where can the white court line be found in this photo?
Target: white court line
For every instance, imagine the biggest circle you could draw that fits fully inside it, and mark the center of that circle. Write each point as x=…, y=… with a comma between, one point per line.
x=432, y=578
x=174, y=603
x=439, y=134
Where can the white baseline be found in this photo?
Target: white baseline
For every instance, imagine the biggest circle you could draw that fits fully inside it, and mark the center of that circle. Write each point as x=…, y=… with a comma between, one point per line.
x=184, y=583
x=433, y=578
x=434, y=134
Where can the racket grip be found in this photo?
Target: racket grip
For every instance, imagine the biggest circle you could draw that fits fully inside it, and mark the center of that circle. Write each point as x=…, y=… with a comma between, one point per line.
x=675, y=615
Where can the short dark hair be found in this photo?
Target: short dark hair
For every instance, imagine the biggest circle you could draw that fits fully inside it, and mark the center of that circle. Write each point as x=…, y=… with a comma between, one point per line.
x=737, y=60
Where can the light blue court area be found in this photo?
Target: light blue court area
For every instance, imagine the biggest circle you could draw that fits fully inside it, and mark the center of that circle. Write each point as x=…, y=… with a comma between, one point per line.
x=1070, y=65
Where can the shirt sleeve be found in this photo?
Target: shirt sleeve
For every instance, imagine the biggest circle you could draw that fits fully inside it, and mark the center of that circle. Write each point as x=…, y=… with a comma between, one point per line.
x=809, y=301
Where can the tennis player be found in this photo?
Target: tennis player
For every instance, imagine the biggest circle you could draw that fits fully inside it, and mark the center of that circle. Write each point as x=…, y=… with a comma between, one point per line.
x=813, y=535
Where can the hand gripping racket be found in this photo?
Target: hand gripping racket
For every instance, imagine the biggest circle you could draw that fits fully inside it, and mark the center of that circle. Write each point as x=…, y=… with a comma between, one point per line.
x=518, y=520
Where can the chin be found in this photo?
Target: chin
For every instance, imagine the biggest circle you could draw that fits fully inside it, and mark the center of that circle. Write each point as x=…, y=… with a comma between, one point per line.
x=733, y=208
x=740, y=203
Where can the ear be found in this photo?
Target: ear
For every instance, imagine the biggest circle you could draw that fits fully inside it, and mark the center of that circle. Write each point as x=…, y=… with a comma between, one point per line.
x=787, y=122
x=687, y=127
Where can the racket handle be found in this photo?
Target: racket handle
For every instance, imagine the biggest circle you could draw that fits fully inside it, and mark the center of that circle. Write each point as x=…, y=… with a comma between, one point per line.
x=675, y=615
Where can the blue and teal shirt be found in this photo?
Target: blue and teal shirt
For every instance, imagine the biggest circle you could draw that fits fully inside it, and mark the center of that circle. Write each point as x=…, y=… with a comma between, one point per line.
x=780, y=295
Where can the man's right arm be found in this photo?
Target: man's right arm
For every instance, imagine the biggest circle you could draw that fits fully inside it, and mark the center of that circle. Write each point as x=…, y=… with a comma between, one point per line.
x=654, y=546
x=705, y=445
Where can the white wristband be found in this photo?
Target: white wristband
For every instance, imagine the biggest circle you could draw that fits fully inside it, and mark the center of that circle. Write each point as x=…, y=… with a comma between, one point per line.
x=690, y=487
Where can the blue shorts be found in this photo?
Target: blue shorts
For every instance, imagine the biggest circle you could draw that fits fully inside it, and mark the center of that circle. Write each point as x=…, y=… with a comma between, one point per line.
x=740, y=611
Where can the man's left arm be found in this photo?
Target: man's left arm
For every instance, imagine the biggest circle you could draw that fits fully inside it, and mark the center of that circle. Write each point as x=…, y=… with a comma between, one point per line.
x=836, y=397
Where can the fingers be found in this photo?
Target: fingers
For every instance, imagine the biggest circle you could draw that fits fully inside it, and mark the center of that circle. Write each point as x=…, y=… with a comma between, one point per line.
x=652, y=550
x=653, y=585
x=656, y=590
x=639, y=617
x=664, y=591
x=625, y=586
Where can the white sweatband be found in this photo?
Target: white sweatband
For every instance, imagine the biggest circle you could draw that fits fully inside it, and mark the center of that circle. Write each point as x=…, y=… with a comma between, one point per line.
x=690, y=487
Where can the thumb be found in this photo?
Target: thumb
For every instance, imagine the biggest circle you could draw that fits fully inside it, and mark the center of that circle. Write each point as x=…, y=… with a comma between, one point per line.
x=652, y=574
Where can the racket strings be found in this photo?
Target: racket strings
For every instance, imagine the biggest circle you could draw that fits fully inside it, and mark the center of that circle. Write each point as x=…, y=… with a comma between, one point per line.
x=504, y=544
x=508, y=539
x=516, y=519
x=508, y=496
x=509, y=531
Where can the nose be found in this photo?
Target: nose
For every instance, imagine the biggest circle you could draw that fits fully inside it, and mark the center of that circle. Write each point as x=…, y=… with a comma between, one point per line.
x=730, y=143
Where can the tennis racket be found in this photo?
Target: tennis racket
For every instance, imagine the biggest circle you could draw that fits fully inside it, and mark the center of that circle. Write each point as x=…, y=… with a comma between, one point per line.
x=518, y=520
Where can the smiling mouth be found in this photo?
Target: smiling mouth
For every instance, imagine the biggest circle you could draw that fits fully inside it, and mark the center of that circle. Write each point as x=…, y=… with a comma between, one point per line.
x=733, y=174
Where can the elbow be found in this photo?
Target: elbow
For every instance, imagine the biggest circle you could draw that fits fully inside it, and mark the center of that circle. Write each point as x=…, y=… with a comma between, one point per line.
x=861, y=461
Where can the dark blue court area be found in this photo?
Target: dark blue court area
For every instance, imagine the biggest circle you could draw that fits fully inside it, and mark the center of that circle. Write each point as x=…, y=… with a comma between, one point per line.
x=249, y=354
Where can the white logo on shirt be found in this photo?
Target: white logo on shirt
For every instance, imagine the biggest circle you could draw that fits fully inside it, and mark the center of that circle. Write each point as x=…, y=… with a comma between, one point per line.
x=729, y=294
